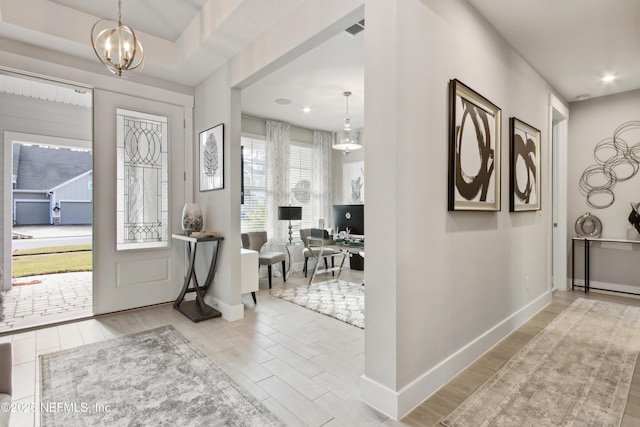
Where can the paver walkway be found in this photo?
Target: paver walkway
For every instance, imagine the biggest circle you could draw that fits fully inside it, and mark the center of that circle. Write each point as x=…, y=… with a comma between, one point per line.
x=56, y=298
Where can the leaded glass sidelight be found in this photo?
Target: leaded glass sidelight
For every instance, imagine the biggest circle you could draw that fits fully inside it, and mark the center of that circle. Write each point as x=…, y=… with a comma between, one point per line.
x=142, y=181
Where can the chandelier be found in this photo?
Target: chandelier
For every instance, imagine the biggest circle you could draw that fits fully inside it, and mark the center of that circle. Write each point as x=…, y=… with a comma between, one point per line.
x=347, y=139
x=116, y=45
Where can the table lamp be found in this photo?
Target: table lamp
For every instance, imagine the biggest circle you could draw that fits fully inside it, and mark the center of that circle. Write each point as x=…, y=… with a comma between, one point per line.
x=290, y=213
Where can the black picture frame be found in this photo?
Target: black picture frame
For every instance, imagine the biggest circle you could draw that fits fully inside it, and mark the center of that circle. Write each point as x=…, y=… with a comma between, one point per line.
x=524, y=170
x=475, y=130
x=211, y=158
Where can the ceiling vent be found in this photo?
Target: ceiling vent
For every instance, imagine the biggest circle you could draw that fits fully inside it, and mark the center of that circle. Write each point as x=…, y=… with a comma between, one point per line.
x=355, y=28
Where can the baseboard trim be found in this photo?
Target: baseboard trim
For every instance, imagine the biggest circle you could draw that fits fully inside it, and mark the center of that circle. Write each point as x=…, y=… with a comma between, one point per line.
x=229, y=312
x=397, y=404
x=379, y=397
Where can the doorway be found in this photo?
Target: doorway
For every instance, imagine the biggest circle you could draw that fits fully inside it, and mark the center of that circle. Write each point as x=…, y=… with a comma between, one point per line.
x=48, y=202
x=558, y=125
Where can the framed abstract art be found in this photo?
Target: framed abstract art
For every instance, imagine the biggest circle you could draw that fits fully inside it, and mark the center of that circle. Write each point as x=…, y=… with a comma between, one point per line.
x=211, y=147
x=524, y=176
x=474, y=150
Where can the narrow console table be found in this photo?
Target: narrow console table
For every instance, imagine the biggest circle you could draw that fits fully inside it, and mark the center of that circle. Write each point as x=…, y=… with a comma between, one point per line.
x=197, y=310
x=587, y=244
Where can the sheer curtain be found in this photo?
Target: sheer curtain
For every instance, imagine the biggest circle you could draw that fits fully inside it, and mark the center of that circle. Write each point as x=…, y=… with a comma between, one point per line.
x=321, y=194
x=278, y=189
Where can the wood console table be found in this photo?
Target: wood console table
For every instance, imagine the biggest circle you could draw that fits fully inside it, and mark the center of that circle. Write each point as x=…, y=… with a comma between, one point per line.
x=197, y=310
x=587, y=243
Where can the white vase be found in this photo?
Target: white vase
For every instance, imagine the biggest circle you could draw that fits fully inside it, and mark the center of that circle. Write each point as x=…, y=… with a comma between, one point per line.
x=191, y=218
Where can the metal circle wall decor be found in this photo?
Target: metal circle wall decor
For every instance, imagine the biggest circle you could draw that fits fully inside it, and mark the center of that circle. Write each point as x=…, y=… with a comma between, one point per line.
x=302, y=191
x=588, y=225
x=616, y=161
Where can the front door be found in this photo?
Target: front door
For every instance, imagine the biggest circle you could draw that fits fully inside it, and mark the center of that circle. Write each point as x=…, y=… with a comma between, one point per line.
x=145, y=275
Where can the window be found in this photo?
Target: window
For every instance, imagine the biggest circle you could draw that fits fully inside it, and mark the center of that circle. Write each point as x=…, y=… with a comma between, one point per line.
x=142, y=181
x=252, y=212
x=300, y=170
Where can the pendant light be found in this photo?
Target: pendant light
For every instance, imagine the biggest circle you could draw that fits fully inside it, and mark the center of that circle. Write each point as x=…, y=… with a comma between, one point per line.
x=116, y=45
x=347, y=139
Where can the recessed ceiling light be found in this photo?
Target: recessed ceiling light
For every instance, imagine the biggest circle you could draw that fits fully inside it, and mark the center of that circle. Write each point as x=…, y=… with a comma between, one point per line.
x=583, y=96
x=306, y=109
x=608, y=78
x=283, y=101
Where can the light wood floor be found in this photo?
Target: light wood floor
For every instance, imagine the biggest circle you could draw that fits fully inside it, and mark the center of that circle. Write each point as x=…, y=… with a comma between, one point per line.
x=459, y=388
x=304, y=366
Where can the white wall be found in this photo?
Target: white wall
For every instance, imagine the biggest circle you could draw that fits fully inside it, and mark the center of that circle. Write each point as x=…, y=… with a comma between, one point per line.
x=216, y=103
x=442, y=287
x=591, y=122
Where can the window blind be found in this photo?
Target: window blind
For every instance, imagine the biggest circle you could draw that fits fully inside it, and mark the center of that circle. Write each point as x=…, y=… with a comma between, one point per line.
x=252, y=212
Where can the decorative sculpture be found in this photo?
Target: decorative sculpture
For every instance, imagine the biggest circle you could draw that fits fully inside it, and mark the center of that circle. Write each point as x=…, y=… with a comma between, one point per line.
x=616, y=161
x=634, y=216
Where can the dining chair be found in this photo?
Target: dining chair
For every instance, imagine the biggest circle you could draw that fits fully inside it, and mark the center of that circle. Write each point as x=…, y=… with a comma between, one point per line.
x=255, y=240
x=311, y=251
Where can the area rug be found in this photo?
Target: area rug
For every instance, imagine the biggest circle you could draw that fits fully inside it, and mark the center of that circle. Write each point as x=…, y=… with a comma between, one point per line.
x=152, y=378
x=336, y=298
x=576, y=372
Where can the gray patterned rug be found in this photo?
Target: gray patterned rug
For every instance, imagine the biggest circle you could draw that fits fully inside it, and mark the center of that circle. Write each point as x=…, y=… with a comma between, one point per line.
x=577, y=371
x=152, y=378
x=336, y=298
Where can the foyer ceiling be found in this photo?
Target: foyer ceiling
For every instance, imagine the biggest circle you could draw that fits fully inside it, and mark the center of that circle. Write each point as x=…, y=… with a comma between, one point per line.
x=572, y=43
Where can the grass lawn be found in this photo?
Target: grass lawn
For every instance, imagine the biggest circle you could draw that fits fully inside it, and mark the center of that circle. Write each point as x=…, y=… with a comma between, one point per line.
x=58, y=259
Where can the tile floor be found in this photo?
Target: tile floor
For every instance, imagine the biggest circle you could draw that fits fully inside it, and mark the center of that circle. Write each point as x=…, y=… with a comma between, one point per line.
x=303, y=366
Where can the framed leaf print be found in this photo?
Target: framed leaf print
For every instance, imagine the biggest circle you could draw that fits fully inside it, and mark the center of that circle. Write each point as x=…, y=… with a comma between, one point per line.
x=211, y=147
x=524, y=179
x=474, y=150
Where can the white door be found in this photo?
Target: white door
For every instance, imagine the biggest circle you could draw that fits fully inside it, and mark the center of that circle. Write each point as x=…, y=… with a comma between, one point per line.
x=139, y=277
x=558, y=118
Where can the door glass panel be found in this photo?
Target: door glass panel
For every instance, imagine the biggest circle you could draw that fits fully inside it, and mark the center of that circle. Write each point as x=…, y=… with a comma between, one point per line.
x=142, y=181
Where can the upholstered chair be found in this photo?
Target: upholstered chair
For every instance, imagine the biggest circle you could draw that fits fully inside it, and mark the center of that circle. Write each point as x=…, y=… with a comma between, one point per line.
x=6, y=390
x=255, y=240
x=310, y=251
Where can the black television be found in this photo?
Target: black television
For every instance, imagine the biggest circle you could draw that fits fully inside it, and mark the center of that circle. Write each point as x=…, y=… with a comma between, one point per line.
x=351, y=216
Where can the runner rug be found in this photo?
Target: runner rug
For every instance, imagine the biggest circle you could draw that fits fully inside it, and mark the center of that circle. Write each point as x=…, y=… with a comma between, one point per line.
x=339, y=299
x=576, y=371
x=152, y=378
